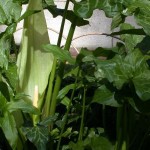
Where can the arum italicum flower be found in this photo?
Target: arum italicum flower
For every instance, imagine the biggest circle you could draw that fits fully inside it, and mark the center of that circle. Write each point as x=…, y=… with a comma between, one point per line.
x=34, y=64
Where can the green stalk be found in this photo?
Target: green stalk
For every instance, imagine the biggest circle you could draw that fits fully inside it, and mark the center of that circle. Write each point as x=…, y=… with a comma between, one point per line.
x=122, y=128
x=119, y=128
x=66, y=115
x=61, y=70
x=104, y=117
x=52, y=76
x=82, y=117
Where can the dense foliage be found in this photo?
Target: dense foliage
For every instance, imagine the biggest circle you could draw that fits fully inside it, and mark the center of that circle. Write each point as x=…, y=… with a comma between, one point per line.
x=81, y=103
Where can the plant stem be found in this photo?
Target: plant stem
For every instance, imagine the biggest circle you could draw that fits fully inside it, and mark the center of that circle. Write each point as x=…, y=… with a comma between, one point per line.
x=82, y=117
x=66, y=115
x=52, y=76
x=61, y=70
x=122, y=128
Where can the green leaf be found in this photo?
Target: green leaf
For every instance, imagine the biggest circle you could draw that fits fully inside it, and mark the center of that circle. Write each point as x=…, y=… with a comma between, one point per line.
x=27, y=14
x=100, y=143
x=8, y=125
x=59, y=53
x=49, y=2
x=67, y=132
x=3, y=102
x=11, y=75
x=94, y=143
x=9, y=11
x=130, y=32
x=111, y=8
x=25, y=106
x=5, y=43
x=117, y=20
x=65, y=101
x=62, y=93
x=133, y=67
x=116, y=71
x=141, y=12
x=49, y=120
x=71, y=16
x=104, y=96
x=4, y=90
x=130, y=40
x=142, y=85
x=34, y=64
x=85, y=8
x=38, y=136
x=76, y=146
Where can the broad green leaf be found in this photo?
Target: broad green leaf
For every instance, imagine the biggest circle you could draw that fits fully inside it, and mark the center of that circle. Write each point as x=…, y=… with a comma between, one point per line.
x=142, y=85
x=104, y=96
x=73, y=72
x=76, y=146
x=49, y=120
x=37, y=135
x=100, y=143
x=133, y=67
x=49, y=2
x=65, y=101
x=95, y=143
x=117, y=20
x=34, y=64
x=25, y=106
x=71, y=16
x=5, y=44
x=110, y=7
x=8, y=125
x=3, y=102
x=130, y=40
x=10, y=11
x=115, y=71
x=62, y=93
x=141, y=11
x=59, y=53
x=4, y=90
x=67, y=132
x=27, y=14
x=84, y=9
x=11, y=75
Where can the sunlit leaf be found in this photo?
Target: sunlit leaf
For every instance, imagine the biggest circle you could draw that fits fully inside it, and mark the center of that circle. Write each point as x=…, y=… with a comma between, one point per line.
x=130, y=40
x=133, y=67
x=85, y=8
x=59, y=53
x=9, y=11
x=117, y=20
x=5, y=44
x=65, y=90
x=141, y=11
x=25, y=106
